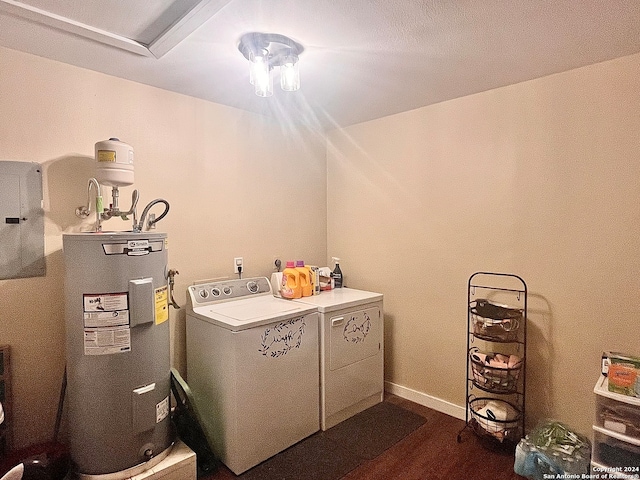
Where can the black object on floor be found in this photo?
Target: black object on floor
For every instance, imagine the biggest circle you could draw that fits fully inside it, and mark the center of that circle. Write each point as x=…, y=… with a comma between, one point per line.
x=332, y=454
x=188, y=425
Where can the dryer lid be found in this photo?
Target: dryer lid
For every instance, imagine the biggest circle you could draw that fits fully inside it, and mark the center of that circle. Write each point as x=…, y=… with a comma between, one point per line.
x=341, y=298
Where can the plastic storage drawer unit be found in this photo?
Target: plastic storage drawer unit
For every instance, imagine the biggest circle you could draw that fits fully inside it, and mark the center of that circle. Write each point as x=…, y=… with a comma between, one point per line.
x=616, y=433
x=616, y=451
x=616, y=412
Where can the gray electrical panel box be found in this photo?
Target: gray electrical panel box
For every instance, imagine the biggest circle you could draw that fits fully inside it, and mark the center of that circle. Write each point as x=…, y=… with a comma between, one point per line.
x=21, y=220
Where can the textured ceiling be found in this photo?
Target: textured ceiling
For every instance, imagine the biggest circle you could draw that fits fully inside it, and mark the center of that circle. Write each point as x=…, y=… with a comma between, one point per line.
x=363, y=59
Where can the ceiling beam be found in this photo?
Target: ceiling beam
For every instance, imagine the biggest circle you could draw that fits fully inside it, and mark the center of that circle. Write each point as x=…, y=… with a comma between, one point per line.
x=176, y=33
x=34, y=14
x=185, y=26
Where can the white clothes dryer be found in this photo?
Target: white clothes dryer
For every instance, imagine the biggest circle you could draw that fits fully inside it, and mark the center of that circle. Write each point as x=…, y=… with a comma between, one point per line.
x=351, y=352
x=252, y=365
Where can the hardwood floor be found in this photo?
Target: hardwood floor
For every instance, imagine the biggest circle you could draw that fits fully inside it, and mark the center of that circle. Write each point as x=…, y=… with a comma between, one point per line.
x=429, y=453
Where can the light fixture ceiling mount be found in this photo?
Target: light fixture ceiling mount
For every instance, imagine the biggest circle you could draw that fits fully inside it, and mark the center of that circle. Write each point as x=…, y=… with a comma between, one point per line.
x=265, y=51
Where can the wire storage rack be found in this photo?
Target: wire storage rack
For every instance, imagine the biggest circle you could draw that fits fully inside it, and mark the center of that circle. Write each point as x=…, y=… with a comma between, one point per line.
x=496, y=358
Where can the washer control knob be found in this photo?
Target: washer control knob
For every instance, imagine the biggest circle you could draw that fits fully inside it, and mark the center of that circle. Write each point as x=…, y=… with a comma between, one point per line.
x=226, y=290
x=252, y=286
x=215, y=291
x=203, y=293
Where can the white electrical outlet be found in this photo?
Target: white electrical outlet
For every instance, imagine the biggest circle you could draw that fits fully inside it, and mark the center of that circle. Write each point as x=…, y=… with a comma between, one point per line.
x=238, y=265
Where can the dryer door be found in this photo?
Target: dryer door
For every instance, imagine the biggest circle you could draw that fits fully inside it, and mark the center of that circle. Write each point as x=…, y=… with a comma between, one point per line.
x=354, y=336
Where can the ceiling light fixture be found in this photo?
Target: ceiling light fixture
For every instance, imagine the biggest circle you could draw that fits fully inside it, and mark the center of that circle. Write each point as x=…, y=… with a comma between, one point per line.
x=266, y=51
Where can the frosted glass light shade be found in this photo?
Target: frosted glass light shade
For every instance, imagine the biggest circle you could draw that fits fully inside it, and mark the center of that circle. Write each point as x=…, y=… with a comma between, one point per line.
x=262, y=77
x=290, y=74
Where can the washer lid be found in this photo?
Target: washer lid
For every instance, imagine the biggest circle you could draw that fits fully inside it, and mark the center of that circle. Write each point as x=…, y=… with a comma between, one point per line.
x=252, y=312
x=339, y=298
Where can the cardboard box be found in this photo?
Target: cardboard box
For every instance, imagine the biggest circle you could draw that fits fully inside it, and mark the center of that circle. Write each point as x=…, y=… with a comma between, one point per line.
x=624, y=374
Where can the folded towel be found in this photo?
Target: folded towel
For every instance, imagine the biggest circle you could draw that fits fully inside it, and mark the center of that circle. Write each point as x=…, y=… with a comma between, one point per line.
x=514, y=361
x=497, y=360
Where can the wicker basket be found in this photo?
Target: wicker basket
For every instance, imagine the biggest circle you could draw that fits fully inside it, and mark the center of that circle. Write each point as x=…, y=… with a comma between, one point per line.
x=492, y=378
x=495, y=322
x=486, y=423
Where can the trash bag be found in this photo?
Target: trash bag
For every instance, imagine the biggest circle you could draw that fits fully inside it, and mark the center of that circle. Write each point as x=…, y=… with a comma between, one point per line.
x=551, y=450
x=188, y=426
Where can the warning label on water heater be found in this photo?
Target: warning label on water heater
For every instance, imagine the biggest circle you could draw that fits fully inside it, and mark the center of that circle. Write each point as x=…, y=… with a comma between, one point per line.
x=106, y=323
x=161, y=304
x=105, y=341
x=162, y=409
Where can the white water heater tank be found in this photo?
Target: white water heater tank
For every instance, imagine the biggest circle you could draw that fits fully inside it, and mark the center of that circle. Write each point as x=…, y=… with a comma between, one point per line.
x=114, y=163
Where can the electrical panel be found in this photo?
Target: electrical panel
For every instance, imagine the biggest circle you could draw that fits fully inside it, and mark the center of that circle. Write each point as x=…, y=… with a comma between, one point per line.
x=21, y=220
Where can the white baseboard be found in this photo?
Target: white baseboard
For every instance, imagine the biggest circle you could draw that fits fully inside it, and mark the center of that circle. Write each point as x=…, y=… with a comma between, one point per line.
x=426, y=400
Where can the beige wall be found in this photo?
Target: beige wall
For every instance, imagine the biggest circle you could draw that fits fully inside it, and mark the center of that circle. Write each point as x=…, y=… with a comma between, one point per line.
x=233, y=179
x=541, y=179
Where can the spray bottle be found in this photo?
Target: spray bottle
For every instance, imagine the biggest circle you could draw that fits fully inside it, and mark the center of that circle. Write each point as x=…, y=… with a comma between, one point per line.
x=337, y=273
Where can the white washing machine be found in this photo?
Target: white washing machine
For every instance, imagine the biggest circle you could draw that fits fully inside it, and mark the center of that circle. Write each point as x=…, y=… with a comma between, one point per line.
x=351, y=352
x=252, y=366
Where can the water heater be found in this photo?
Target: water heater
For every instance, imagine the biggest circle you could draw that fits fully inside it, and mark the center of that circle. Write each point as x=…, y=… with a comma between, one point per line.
x=118, y=361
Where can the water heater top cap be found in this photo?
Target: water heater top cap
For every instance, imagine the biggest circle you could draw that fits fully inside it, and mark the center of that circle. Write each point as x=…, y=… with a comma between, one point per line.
x=114, y=163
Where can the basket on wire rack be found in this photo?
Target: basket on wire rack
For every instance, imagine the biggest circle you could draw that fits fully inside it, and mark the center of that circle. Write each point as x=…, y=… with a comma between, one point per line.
x=495, y=372
x=495, y=322
x=495, y=418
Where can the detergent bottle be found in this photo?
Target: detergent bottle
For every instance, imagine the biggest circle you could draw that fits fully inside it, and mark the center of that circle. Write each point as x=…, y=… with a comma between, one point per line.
x=291, y=287
x=305, y=279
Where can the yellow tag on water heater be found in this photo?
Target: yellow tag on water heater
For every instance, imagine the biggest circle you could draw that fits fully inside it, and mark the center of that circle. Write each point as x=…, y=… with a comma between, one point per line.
x=162, y=304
